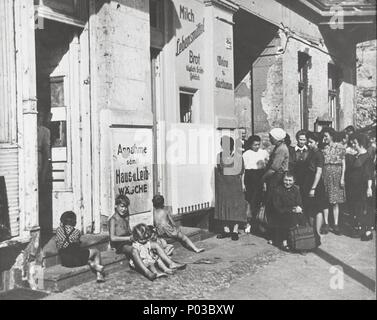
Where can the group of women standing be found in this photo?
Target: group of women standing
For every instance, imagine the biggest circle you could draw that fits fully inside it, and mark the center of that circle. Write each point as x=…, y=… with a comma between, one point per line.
x=326, y=172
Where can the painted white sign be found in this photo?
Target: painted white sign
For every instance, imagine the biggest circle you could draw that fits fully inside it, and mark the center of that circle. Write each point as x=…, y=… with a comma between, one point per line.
x=189, y=51
x=133, y=170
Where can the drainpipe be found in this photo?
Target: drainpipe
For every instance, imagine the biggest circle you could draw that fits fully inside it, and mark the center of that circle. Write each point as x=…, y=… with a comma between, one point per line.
x=252, y=98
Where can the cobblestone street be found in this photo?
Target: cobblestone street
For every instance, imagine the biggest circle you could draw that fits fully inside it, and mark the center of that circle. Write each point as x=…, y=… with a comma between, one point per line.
x=247, y=269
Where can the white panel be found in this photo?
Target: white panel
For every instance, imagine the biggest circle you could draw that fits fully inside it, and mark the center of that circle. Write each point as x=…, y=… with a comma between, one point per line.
x=59, y=114
x=9, y=169
x=191, y=159
x=59, y=154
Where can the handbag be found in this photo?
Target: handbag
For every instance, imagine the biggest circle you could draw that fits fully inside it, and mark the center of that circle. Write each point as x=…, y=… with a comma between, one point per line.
x=261, y=216
x=302, y=238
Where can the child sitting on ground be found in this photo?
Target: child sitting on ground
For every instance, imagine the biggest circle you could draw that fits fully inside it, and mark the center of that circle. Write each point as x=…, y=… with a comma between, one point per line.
x=166, y=227
x=68, y=244
x=142, y=243
x=168, y=248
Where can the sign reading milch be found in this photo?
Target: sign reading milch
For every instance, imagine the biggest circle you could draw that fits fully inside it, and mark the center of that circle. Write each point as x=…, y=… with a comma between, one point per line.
x=133, y=165
x=190, y=29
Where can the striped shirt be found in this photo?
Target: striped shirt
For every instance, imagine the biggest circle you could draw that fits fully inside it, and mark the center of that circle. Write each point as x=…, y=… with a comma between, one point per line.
x=64, y=239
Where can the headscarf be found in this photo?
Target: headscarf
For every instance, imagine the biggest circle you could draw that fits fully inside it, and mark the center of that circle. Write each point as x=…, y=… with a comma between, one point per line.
x=278, y=134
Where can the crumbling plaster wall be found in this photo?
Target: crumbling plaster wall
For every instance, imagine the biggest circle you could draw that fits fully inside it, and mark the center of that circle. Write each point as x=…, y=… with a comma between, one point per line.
x=275, y=77
x=366, y=83
x=275, y=89
x=122, y=54
x=122, y=82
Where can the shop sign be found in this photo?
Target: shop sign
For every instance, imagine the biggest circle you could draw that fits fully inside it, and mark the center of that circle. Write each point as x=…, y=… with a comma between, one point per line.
x=132, y=169
x=189, y=41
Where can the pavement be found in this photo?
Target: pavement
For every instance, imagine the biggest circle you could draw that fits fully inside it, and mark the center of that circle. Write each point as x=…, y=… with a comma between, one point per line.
x=249, y=269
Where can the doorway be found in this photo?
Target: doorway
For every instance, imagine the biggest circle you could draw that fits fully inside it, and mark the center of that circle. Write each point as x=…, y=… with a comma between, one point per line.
x=62, y=96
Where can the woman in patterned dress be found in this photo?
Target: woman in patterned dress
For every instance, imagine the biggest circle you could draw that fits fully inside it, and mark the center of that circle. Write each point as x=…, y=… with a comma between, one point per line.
x=333, y=177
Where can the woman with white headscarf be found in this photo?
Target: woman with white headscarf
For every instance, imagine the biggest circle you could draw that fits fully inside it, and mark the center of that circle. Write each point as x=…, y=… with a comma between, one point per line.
x=276, y=167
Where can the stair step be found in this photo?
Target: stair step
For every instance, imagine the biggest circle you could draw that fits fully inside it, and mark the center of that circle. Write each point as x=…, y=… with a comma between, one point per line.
x=58, y=278
x=50, y=252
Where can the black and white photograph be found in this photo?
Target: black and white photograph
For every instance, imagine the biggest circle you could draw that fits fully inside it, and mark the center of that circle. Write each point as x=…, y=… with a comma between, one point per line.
x=202, y=151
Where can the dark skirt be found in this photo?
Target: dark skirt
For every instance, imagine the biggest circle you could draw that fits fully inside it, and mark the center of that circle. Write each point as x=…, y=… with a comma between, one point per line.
x=74, y=256
x=253, y=186
x=320, y=201
x=273, y=182
x=230, y=202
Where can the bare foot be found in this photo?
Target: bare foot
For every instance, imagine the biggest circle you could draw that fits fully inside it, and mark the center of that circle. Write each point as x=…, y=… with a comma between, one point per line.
x=96, y=267
x=199, y=250
x=100, y=277
x=161, y=275
x=178, y=266
x=169, y=250
x=169, y=271
x=151, y=276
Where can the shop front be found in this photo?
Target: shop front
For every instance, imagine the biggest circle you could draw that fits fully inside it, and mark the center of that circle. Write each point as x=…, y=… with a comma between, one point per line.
x=195, y=101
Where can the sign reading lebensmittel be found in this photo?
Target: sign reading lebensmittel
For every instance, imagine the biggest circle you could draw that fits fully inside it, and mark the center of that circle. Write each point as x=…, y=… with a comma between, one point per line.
x=189, y=42
x=132, y=166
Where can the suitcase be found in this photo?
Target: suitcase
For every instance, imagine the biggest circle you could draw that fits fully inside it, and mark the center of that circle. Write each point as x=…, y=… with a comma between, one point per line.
x=302, y=238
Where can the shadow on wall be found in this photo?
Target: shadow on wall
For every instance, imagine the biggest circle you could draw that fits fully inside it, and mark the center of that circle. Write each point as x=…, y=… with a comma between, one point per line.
x=4, y=212
x=253, y=38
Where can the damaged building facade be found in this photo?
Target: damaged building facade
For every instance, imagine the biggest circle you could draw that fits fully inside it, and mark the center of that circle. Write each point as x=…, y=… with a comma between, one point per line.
x=133, y=86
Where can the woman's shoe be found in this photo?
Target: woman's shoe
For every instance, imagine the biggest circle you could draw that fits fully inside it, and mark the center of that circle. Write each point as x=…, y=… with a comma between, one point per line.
x=224, y=235
x=336, y=230
x=367, y=237
x=325, y=229
x=234, y=236
x=285, y=248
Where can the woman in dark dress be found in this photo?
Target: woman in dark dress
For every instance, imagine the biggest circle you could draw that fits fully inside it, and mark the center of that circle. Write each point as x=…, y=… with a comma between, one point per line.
x=315, y=198
x=230, y=205
x=359, y=187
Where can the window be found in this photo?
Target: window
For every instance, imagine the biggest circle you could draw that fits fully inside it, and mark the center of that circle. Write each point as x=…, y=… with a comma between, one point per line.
x=333, y=96
x=188, y=101
x=185, y=103
x=58, y=127
x=303, y=67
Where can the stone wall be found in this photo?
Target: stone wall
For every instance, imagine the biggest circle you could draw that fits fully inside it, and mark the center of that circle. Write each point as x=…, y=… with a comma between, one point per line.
x=366, y=83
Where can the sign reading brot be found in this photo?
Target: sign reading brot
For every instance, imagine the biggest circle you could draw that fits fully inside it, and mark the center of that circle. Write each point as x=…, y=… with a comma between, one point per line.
x=132, y=165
